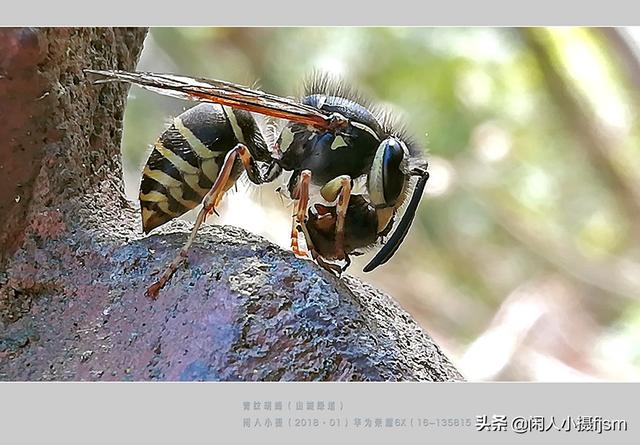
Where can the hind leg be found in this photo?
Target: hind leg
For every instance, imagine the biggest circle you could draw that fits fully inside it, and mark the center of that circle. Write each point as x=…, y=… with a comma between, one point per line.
x=224, y=181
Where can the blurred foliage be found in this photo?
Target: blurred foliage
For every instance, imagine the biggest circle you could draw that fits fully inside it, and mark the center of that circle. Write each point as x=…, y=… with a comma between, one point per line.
x=524, y=262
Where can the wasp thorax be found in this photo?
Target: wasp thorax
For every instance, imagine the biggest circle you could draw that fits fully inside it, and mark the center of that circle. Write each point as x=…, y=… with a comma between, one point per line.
x=387, y=177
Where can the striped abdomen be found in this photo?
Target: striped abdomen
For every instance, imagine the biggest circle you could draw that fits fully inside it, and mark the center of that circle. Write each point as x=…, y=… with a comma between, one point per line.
x=186, y=159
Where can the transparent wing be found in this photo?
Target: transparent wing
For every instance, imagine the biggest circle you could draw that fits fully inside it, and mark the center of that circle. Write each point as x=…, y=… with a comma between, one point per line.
x=223, y=93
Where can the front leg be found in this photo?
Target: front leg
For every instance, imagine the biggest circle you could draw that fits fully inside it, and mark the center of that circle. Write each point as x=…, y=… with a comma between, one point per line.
x=339, y=188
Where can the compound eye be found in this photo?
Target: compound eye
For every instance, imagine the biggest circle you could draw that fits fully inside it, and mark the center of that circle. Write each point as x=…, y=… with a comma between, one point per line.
x=386, y=178
x=393, y=178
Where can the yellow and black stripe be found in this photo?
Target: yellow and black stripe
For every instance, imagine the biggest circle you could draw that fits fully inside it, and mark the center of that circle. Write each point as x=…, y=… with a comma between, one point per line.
x=186, y=159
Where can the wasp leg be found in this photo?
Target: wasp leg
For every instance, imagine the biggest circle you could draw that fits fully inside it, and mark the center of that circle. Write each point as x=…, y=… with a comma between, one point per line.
x=333, y=268
x=340, y=189
x=224, y=181
x=347, y=263
x=301, y=196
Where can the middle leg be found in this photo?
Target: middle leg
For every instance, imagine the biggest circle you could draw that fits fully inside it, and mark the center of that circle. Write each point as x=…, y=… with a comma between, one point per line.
x=300, y=193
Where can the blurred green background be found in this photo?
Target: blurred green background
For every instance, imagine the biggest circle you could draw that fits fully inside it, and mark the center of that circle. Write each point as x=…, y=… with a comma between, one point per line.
x=524, y=260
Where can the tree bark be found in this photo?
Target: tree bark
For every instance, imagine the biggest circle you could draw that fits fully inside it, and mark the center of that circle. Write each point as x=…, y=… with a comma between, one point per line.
x=75, y=264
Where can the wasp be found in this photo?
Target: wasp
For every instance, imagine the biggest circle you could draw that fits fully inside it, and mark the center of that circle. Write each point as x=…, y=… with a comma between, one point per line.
x=351, y=166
